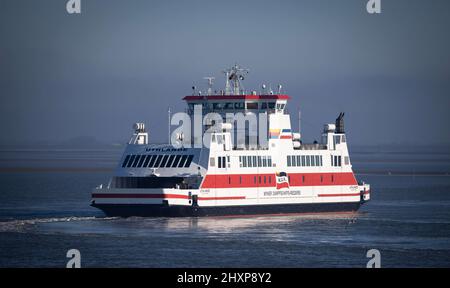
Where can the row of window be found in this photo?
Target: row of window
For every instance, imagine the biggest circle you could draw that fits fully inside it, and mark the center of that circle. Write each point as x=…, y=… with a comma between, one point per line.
x=304, y=160
x=255, y=161
x=157, y=161
x=241, y=105
x=336, y=161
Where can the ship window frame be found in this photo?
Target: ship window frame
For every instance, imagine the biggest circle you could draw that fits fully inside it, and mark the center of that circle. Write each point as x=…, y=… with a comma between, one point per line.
x=269, y=161
x=304, y=160
x=299, y=160
x=313, y=161
x=264, y=161
x=289, y=163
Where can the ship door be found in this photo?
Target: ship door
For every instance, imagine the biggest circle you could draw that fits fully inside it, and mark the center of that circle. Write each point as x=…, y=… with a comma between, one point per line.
x=194, y=200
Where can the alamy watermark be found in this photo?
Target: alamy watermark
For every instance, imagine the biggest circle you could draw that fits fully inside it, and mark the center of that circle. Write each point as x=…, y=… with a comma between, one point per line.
x=73, y=6
x=375, y=258
x=75, y=258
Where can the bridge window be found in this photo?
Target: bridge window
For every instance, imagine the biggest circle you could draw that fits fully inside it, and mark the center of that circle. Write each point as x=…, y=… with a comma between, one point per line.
x=239, y=105
x=136, y=160
x=252, y=105
x=175, y=162
x=141, y=161
x=189, y=160
x=152, y=161
x=147, y=158
x=125, y=161
x=169, y=162
x=271, y=105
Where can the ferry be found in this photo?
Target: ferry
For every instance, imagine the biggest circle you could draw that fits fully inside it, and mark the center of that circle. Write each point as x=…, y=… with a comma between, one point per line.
x=250, y=163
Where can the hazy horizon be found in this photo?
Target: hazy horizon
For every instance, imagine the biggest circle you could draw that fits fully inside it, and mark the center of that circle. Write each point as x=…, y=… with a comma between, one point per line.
x=65, y=77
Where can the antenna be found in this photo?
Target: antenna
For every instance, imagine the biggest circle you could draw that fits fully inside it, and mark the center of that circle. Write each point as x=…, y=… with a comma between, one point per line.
x=235, y=74
x=169, y=114
x=210, y=84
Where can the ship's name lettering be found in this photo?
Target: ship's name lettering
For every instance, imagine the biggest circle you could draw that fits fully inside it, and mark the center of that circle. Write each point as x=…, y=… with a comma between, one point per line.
x=283, y=193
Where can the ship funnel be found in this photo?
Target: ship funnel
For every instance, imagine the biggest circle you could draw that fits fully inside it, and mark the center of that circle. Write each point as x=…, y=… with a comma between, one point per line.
x=340, y=123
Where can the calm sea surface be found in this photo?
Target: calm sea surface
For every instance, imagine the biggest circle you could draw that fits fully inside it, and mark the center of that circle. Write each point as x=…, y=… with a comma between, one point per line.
x=44, y=212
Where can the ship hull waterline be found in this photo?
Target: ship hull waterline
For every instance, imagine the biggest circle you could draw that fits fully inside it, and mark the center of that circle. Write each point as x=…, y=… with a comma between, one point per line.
x=161, y=210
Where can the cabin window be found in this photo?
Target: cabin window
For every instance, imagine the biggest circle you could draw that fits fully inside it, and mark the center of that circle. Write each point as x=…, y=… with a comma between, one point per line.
x=259, y=161
x=343, y=140
x=303, y=160
x=270, y=179
x=147, y=159
x=141, y=161
x=136, y=160
x=339, y=161
x=265, y=179
x=164, y=161
x=229, y=106
x=346, y=160
x=303, y=178
x=249, y=161
x=308, y=161
x=189, y=160
x=125, y=161
x=332, y=178
x=271, y=105
x=313, y=161
x=181, y=163
x=299, y=161
x=264, y=161
x=289, y=161
x=152, y=161
x=158, y=160
x=321, y=178
x=259, y=179
x=169, y=162
x=244, y=161
x=254, y=179
x=212, y=161
x=240, y=179
x=175, y=162
x=213, y=138
x=269, y=161
x=264, y=105
x=239, y=105
x=252, y=105
x=229, y=180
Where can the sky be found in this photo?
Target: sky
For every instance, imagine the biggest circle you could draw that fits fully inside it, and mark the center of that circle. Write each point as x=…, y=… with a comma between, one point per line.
x=65, y=76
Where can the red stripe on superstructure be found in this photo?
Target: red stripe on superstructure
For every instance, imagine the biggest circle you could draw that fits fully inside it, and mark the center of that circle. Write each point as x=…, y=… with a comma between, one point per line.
x=269, y=180
x=339, y=195
x=238, y=97
x=286, y=137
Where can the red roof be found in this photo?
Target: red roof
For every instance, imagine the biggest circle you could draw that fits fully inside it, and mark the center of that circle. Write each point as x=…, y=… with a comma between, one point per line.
x=238, y=97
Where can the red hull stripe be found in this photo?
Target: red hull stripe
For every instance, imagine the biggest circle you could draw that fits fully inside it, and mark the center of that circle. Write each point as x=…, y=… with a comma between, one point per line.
x=339, y=195
x=269, y=180
x=159, y=196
